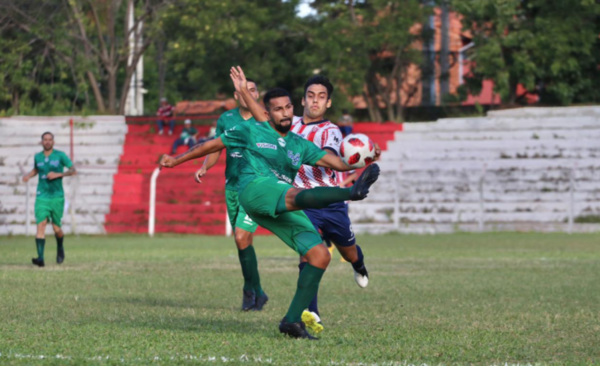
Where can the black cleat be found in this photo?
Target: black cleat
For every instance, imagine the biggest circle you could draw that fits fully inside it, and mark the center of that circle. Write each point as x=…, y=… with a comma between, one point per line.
x=60, y=256
x=295, y=330
x=360, y=189
x=249, y=300
x=38, y=262
x=260, y=302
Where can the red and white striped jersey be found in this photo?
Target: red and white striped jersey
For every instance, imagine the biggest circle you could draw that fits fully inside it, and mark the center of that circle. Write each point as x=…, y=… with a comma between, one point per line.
x=325, y=135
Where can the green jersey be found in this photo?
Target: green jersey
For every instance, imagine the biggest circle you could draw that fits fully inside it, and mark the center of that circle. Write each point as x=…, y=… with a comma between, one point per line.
x=55, y=162
x=227, y=121
x=266, y=154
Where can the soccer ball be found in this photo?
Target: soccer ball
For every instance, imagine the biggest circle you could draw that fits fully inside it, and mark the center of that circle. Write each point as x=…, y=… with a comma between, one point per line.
x=357, y=150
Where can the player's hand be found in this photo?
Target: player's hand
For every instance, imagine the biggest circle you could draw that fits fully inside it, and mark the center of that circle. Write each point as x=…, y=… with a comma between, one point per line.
x=239, y=79
x=25, y=178
x=199, y=174
x=53, y=175
x=377, y=152
x=166, y=162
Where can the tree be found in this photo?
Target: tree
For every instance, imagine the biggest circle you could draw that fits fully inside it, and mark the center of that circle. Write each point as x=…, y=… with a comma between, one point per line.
x=550, y=47
x=366, y=48
x=91, y=38
x=206, y=37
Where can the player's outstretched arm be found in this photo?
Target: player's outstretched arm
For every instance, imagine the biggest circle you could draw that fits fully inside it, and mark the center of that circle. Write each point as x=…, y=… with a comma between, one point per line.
x=30, y=175
x=197, y=151
x=241, y=86
x=209, y=162
x=334, y=162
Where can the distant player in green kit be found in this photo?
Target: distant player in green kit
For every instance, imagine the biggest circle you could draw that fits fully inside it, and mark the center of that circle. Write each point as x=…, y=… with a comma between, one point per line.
x=253, y=296
x=50, y=201
x=272, y=157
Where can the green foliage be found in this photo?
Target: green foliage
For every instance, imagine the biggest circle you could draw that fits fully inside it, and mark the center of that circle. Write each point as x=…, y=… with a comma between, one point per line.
x=551, y=47
x=205, y=38
x=368, y=43
x=462, y=299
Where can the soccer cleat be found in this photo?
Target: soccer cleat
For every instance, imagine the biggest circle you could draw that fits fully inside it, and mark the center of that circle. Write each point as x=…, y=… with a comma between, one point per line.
x=295, y=330
x=361, y=277
x=170, y=132
x=313, y=321
x=60, y=256
x=260, y=302
x=38, y=262
x=160, y=132
x=248, y=300
x=360, y=189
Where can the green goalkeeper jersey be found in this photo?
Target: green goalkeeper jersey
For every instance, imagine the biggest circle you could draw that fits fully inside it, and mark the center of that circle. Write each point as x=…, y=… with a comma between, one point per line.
x=266, y=154
x=55, y=162
x=227, y=121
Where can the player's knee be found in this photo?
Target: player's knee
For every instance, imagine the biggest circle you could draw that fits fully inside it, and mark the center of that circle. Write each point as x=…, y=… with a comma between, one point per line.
x=243, y=239
x=319, y=256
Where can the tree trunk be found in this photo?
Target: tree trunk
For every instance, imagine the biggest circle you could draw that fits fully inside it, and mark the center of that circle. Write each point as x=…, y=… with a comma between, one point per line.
x=112, y=89
x=15, y=100
x=399, y=109
x=445, y=52
x=162, y=66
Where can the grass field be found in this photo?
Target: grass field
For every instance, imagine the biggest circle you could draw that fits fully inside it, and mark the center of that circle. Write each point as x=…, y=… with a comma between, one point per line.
x=448, y=299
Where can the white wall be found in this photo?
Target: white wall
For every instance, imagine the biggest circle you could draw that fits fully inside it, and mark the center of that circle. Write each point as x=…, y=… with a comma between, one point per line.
x=511, y=170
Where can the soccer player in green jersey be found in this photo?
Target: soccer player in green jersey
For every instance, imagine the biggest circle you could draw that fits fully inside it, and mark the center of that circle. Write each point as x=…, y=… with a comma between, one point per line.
x=272, y=157
x=253, y=296
x=50, y=202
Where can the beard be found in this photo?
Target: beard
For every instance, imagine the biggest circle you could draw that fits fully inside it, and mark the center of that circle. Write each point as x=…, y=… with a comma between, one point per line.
x=286, y=128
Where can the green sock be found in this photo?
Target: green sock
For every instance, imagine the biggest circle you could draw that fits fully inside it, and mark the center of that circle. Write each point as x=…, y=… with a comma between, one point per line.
x=322, y=197
x=40, y=244
x=308, y=286
x=255, y=278
x=59, y=242
x=246, y=263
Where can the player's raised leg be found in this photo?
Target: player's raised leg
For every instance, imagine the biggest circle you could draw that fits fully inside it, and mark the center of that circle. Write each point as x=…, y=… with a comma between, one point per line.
x=321, y=197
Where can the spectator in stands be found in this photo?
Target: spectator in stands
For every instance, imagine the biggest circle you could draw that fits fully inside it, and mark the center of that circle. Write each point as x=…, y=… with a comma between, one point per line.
x=345, y=123
x=165, y=113
x=187, y=137
x=213, y=130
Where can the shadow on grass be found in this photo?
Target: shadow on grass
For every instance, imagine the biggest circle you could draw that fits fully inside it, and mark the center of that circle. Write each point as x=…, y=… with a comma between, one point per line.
x=163, y=303
x=217, y=320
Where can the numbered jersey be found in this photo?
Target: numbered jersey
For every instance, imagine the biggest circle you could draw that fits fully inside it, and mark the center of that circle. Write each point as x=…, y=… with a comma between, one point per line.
x=325, y=135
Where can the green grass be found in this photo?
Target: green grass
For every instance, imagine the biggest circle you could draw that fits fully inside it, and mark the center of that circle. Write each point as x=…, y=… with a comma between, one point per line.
x=448, y=299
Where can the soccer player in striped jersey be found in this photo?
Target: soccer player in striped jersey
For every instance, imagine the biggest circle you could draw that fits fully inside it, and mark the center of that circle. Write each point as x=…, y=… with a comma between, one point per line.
x=333, y=221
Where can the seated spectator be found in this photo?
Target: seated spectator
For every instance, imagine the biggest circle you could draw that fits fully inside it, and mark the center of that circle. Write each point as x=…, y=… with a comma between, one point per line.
x=213, y=130
x=165, y=113
x=187, y=137
x=345, y=123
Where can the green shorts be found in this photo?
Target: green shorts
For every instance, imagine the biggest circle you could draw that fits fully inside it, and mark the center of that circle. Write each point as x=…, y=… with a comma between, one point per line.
x=51, y=209
x=237, y=215
x=260, y=199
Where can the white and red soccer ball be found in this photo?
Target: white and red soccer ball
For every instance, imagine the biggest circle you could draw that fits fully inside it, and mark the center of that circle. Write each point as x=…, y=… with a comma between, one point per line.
x=357, y=150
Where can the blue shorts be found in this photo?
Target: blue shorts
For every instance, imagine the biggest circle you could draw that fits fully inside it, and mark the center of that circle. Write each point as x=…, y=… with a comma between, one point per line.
x=333, y=223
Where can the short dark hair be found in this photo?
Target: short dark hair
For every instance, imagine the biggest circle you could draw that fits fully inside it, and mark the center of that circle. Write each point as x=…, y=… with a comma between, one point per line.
x=322, y=80
x=275, y=93
x=48, y=133
x=252, y=81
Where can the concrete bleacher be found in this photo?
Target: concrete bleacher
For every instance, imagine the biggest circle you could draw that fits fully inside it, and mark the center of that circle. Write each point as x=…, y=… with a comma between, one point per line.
x=521, y=169
x=98, y=144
